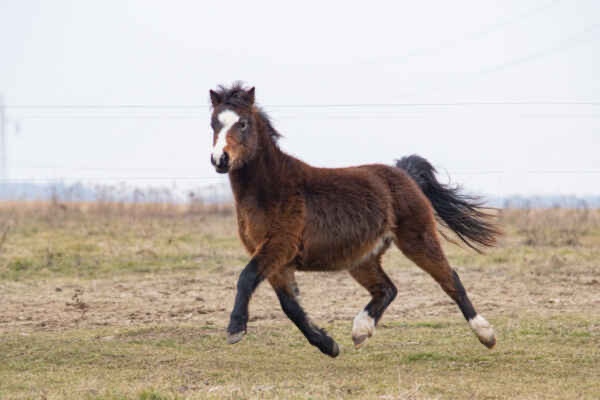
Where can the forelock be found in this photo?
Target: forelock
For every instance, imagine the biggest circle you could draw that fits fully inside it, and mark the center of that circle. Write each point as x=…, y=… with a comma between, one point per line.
x=234, y=96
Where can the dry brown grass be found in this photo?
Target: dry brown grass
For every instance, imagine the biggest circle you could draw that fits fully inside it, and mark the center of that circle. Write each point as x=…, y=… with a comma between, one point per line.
x=552, y=227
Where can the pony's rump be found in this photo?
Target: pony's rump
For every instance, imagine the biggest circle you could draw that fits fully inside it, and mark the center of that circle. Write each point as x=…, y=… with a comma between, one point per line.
x=461, y=213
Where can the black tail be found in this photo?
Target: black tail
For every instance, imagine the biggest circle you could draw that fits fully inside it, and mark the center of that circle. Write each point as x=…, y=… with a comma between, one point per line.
x=461, y=213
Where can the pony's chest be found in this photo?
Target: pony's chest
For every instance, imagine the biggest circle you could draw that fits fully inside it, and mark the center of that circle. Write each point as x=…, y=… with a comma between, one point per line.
x=253, y=225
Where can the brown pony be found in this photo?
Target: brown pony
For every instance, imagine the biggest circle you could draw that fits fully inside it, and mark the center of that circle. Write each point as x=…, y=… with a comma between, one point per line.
x=292, y=216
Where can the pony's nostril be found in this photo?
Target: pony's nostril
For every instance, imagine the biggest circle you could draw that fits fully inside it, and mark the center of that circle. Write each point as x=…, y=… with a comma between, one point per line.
x=212, y=160
x=224, y=160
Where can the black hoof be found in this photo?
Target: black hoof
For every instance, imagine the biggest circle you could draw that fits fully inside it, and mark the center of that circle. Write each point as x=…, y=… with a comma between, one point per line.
x=233, y=338
x=329, y=346
x=335, y=351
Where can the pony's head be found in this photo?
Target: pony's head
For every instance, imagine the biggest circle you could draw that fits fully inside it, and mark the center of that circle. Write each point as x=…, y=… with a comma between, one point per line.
x=235, y=127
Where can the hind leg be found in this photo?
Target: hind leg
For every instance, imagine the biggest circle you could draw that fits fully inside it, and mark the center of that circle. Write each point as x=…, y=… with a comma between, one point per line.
x=422, y=246
x=372, y=277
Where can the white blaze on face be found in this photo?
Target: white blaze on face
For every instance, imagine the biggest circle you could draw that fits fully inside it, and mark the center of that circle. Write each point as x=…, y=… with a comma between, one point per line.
x=227, y=119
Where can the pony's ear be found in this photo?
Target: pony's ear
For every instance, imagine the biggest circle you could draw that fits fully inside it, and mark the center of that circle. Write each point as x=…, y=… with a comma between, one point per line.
x=215, y=98
x=250, y=94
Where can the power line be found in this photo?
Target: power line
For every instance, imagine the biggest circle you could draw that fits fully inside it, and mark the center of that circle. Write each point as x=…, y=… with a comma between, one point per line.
x=302, y=105
x=219, y=178
x=138, y=117
x=99, y=168
x=473, y=171
x=381, y=116
x=112, y=178
x=475, y=35
x=529, y=172
x=3, y=155
x=107, y=106
x=563, y=45
x=443, y=104
x=340, y=114
x=159, y=168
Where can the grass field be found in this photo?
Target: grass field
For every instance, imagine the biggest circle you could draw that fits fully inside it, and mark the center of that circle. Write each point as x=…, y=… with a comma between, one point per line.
x=101, y=301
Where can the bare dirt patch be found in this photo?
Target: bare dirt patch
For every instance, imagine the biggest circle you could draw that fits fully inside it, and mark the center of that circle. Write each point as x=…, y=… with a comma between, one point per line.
x=205, y=298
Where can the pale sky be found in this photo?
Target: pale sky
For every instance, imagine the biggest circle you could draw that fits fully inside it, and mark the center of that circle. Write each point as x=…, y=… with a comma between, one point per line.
x=306, y=59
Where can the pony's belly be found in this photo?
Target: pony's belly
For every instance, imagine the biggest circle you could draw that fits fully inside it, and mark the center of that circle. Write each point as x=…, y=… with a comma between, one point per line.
x=340, y=258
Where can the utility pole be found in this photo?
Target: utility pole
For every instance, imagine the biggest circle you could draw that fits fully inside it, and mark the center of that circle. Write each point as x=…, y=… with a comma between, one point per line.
x=3, y=161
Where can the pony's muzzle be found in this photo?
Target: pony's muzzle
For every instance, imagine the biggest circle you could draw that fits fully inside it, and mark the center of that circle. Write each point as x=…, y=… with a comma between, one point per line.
x=222, y=164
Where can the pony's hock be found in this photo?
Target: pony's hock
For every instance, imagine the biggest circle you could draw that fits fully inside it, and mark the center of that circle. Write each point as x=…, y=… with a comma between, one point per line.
x=292, y=216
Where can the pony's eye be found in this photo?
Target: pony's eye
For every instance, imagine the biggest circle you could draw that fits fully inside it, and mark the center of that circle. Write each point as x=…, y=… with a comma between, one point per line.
x=243, y=124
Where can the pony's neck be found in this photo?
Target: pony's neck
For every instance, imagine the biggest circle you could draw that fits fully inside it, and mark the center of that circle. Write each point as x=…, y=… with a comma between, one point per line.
x=260, y=177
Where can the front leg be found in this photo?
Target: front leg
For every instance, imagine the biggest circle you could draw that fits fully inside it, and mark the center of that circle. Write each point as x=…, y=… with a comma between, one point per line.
x=267, y=258
x=286, y=289
x=248, y=281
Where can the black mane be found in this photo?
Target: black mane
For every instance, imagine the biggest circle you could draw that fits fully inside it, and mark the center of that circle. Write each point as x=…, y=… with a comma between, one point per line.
x=267, y=121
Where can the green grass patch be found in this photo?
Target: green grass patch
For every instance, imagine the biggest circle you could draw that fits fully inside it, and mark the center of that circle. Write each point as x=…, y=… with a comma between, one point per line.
x=164, y=362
